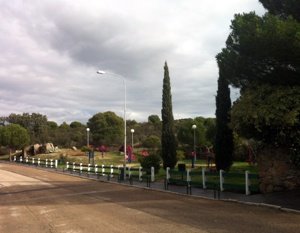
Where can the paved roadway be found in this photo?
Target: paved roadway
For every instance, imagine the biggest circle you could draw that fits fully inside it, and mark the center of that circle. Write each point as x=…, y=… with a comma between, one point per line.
x=37, y=201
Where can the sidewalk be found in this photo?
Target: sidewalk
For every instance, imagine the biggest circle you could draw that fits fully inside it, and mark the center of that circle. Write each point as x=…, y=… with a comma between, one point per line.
x=280, y=200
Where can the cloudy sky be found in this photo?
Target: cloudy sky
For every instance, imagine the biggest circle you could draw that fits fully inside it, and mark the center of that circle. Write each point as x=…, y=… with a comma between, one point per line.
x=51, y=50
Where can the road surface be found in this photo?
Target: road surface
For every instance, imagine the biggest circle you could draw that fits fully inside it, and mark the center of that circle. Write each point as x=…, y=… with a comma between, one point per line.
x=38, y=201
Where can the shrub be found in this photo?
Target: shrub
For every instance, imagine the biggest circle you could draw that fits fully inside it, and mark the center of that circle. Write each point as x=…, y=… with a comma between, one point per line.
x=180, y=155
x=152, y=160
x=86, y=149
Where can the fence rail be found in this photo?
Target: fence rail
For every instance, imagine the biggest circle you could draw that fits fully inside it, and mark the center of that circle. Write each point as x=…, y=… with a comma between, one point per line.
x=205, y=179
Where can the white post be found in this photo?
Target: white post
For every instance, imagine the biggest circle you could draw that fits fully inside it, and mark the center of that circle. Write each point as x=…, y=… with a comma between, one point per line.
x=56, y=163
x=140, y=174
x=80, y=167
x=188, y=176
x=247, y=182
x=168, y=173
x=111, y=170
x=39, y=161
x=46, y=164
x=51, y=163
x=32, y=160
x=96, y=168
x=15, y=158
x=152, y=174
x=129, y=172
x=221, y=181
x=67, y=166
x=103, y=169
x=74, y=167
x=21, y=159
x=89, y=168
x=26, y=159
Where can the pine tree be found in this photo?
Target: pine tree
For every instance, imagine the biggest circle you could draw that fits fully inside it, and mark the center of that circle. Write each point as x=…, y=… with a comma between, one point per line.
x=224, y=135
x=168, y=141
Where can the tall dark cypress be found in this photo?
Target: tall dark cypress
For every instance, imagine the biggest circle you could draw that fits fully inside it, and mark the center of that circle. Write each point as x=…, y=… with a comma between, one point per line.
x=224, y=135
x=168, y=141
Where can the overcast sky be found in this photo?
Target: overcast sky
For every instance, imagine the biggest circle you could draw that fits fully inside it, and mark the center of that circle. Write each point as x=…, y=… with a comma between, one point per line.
x=51, y=50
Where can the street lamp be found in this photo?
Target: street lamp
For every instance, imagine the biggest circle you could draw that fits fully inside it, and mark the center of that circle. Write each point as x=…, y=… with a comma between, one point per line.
x=132, y=131
x=101, y=72
x=88, y=137
x=194, y=152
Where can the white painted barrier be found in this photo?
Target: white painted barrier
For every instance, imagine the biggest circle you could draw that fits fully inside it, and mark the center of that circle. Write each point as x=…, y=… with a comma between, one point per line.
x=152, y=174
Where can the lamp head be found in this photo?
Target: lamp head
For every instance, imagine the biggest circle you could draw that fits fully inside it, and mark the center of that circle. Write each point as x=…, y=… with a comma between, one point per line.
x=100, y=72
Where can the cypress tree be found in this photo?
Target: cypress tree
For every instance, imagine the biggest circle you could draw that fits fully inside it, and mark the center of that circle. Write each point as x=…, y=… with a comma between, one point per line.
x=224, y=135
x=168, y=141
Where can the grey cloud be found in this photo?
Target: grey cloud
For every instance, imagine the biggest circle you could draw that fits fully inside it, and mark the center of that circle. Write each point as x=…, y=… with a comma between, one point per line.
x=52, y=49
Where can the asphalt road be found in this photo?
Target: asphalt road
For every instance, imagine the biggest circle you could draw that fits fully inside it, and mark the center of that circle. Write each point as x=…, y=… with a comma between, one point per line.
x=33, y=200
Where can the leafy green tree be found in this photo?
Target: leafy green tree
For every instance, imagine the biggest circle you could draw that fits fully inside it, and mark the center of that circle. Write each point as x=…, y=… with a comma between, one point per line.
x=185, y=133
x=106, y=128
x=224, y=135
x=261, y=50
x=154, y=119
x=14, y=136
x=262, y=58
x=283, y=8
x=270, y=115
x=35, y=123
x=152, y=142
x=210, y=134
x=168, y=141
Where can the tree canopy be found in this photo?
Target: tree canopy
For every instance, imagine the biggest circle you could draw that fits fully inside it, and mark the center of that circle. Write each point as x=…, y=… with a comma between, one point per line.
x=106, y=128
x=283, y=8
x=14, y=136
x=262, y=57
x=261, y=50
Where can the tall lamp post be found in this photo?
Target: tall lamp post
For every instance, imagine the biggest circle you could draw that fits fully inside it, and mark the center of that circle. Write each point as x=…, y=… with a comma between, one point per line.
x=194, y=152
x=88, y=137
x=132, y=131
x=101, y=72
